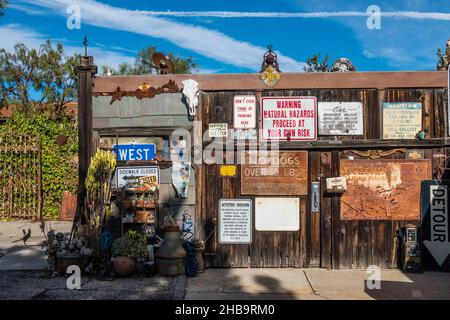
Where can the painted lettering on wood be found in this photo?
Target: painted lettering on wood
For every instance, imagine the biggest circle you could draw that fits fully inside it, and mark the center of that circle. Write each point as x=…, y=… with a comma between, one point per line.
x=274, y=173
x=384, y=189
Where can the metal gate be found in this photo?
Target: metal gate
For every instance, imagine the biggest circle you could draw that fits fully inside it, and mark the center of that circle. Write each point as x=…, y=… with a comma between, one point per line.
x=20, y=176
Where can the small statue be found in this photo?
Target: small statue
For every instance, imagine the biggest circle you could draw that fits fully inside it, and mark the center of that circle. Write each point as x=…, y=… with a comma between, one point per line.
x=343, y=65
x=444, y=59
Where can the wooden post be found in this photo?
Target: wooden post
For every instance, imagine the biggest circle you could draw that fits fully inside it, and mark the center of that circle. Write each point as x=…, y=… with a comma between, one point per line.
x=85, y=73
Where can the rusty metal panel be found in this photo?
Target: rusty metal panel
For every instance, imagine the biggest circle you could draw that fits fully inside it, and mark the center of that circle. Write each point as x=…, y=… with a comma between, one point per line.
x=277, y=173
x=384, y=189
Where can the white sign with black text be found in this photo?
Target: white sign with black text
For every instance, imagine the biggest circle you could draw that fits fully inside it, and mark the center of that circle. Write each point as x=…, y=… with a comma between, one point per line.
x=340, y=118
x=244, y=112
x=218, y=130
x=235, y=221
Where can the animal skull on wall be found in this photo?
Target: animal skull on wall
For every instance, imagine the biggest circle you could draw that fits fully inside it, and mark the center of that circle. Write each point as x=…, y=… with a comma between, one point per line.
x=190, y=92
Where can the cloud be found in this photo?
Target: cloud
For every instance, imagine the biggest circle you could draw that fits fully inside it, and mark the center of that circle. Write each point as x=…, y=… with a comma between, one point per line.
x=11, y=34
x=336, y=14
x=209, y=43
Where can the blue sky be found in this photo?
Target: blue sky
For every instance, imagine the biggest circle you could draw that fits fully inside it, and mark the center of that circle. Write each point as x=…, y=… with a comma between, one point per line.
x=411, y=31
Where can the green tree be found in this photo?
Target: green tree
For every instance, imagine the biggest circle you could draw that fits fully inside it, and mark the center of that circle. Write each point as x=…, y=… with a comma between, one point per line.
x=315, y=64
x=444, y=58
x=34, y=78
x=3, y=4
x=143, y=65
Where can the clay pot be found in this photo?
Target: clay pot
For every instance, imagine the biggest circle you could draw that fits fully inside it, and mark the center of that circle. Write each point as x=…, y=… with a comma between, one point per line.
x=124, y=266
x=199, y=258
x=144, y=216
x=143, y=203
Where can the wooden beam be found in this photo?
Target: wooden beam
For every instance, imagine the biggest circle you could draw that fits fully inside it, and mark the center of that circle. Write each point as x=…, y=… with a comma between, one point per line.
x=347, y=144
x=251, y=81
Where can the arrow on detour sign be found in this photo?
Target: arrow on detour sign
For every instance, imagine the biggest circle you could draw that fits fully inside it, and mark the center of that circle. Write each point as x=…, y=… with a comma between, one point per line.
x=439, y=250
x=438, y=244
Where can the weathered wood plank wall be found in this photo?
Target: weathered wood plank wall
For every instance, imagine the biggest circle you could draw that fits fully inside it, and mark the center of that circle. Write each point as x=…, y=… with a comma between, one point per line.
x=323, y=239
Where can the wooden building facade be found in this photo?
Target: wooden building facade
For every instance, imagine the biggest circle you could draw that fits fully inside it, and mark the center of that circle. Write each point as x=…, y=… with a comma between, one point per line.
x=351, y=229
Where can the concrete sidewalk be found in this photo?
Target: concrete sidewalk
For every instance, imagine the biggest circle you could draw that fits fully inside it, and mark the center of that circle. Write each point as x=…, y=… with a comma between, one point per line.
x=14, y=255
x=307, y=284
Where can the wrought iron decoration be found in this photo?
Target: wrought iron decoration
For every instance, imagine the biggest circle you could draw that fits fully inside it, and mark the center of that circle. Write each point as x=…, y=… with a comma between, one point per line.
x=145, y=90
x=270, y=69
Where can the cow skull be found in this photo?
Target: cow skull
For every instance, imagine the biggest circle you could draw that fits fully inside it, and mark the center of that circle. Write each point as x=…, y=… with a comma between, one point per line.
x=190, y=92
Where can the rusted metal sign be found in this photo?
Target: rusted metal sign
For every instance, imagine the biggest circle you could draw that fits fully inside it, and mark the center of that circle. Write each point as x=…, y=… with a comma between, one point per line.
x=384, y=189
x=275, y=173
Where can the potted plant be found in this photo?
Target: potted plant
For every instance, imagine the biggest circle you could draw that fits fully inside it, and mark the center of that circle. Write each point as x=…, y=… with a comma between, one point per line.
x=128, y=251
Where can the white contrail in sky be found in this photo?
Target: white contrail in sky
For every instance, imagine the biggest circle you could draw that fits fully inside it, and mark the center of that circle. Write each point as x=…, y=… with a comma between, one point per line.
x=232, y=14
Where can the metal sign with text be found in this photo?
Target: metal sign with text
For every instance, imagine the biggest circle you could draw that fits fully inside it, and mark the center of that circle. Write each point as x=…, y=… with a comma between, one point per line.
x=435, y=220
x=135, y=152
x=235, y=221
x=341, y=118
x=288, y=118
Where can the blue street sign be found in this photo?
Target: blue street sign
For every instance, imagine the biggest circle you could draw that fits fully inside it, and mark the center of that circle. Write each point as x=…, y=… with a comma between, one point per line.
x=136, y=152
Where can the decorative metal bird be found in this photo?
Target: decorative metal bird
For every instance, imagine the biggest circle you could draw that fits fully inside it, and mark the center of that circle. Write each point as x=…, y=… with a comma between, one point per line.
x=25, y=238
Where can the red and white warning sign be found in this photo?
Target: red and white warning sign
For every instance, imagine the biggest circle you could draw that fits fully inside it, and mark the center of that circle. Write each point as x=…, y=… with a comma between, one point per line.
x=244, y=112
x=288, y=118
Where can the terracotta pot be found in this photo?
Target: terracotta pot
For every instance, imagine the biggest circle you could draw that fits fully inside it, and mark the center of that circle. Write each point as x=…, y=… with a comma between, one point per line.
x=144, y=216
x=142, y=203
x=124, y=266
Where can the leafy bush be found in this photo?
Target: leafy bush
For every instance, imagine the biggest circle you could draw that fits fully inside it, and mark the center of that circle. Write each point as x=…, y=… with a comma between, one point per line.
x=59, y=165
x=132, y=245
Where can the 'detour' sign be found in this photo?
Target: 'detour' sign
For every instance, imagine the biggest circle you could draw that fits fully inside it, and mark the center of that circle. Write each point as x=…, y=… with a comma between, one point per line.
x=435, y=216
x=135, y=152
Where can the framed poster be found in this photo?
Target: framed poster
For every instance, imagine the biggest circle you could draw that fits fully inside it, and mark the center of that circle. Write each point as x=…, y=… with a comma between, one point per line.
x=288, y=118
x=277, y=214
x=244, y=112
x=340, y=118
x=401, y=120
x=235, y=221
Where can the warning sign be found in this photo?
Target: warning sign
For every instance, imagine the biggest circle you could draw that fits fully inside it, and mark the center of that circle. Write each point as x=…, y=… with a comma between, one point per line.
x=235, y=221
x=288, y=118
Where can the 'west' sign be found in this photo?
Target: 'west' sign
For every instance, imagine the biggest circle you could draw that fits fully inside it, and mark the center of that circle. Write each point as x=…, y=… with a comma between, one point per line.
x=135, y=152
x=435, y=216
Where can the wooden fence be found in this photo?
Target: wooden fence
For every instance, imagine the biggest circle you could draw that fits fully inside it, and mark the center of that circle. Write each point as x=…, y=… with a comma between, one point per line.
x=20, y=176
